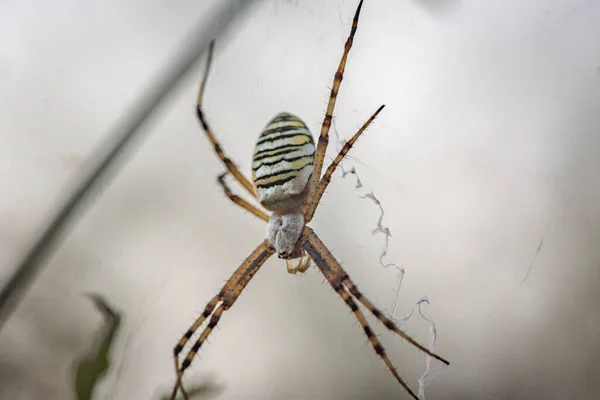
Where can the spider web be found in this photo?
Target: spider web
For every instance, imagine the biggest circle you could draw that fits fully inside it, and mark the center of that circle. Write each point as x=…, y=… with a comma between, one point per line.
x=432, y=369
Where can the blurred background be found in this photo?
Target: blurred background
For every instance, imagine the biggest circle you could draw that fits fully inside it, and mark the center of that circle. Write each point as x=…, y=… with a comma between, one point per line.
x=485, y=160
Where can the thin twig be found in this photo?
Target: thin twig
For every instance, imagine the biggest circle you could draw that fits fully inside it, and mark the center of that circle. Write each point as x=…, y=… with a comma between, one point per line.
x=123, y=134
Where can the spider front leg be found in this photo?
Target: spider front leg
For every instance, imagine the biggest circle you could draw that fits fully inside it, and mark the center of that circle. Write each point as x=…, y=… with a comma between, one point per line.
x=238, y=200
x=231, y=167
x=341, y=283
x=227, y=296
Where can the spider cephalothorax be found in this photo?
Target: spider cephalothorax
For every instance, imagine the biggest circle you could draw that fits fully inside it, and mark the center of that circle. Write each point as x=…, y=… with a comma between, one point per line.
x=287, y=180
x=284, y=231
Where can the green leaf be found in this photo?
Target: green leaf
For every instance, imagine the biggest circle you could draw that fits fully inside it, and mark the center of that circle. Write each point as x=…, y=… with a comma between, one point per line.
x=94, y=365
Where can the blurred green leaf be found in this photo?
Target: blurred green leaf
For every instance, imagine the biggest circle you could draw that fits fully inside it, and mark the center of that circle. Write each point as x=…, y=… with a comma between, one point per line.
x=93, y=366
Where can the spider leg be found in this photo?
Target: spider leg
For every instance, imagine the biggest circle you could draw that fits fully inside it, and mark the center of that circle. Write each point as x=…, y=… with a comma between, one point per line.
x=227, y=296
x=316, y=196
x=231, y=167
x=341, y=275
x=338, y=278
x=323, y=258
x=324, y=135
x=238, y=200
x=381, y=317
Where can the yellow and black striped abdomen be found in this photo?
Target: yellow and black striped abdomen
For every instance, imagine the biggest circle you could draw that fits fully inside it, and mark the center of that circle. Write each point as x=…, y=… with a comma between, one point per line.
x=283, y=163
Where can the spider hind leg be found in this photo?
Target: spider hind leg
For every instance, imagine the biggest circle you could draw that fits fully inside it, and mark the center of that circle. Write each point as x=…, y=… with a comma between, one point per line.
x=238, y=200
x=231, y=167
x=326, y=125
x=315, y=198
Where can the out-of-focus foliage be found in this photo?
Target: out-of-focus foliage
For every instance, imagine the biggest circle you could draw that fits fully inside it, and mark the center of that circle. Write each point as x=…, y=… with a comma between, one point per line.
x=93, y=366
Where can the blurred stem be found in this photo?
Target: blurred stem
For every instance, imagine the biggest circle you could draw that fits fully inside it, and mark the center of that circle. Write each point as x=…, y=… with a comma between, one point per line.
x=118, y=140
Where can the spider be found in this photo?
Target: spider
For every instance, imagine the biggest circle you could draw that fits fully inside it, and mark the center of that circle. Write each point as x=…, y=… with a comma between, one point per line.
x=287, y=181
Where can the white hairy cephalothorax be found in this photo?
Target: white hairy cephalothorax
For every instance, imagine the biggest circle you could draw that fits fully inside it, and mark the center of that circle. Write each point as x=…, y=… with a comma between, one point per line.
x=283, y=231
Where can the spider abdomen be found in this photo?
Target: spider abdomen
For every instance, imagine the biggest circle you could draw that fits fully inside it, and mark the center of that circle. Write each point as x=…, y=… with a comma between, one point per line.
x=283, y=163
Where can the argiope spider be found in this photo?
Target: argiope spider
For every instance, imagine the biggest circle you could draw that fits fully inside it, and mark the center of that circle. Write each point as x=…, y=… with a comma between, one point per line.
x=286, y=172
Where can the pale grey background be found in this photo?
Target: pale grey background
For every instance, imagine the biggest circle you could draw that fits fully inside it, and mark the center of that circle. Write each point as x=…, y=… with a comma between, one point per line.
x=487, y=150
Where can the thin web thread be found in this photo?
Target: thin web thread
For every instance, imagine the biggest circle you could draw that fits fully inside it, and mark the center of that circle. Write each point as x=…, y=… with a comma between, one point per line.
x=431, y=372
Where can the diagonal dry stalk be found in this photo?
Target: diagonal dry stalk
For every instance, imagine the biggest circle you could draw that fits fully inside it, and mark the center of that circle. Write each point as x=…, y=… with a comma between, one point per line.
x=113, y=149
